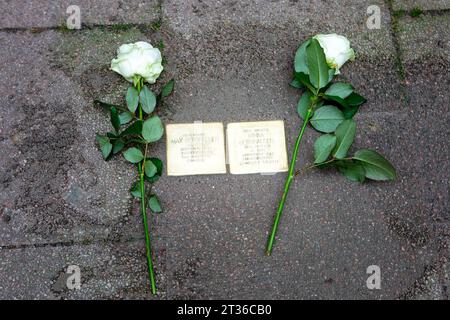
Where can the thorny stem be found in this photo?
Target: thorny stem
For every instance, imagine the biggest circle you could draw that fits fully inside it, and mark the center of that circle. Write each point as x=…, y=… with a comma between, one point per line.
x=145, y=157
x=289, y=178
x=141, y=170
x=147, y=235
x=140, y=84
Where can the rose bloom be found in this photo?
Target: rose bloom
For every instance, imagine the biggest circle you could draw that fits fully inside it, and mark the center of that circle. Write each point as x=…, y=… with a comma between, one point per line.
x=336, y=48
x=137, y=60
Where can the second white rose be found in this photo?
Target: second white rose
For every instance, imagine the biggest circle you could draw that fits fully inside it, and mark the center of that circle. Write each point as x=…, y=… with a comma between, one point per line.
x=336, y=48
x=136, y=60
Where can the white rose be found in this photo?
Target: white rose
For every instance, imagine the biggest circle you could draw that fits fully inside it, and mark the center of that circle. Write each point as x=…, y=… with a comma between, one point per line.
x=337, y=49
x=138, y=59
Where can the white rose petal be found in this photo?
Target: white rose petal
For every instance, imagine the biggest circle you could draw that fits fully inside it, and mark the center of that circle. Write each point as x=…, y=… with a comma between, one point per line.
x=336, y=48
x=138, y=59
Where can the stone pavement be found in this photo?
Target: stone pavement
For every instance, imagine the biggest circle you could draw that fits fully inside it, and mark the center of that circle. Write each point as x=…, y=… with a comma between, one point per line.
x=61, y=204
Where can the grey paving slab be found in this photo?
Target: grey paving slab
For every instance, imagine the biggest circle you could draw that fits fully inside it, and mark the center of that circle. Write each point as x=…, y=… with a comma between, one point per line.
x=300, y=18
x=424, y=38
x=107, y=271
x=236, y=66
x=424, y=47
x=424, y=50
x=216, y=37
x=429, y=287
x=233, y=62
x=332, y=229
x=420, y=4
x=55, y=187
x=47, y=13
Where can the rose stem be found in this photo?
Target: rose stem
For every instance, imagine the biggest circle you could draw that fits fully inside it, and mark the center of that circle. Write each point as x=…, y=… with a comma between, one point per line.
x=147, y=236
x=287, y=185
x=148, y=250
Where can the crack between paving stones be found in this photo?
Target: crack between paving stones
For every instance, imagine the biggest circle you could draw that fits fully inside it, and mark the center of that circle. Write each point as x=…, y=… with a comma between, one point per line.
x=91, y=26
x=398, y=53
x=394, y=34
x=68, y=243
x=117, y=26
x=107, y=27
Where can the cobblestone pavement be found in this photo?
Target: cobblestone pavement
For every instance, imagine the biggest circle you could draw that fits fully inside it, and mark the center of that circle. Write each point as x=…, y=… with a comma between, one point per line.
x=61, y=204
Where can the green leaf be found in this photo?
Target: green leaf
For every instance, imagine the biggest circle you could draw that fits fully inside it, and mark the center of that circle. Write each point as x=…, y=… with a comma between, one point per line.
x=303, y=104
x=134, y=155
x=108, y=105
x=324, y=165
x=353, y=170
x=355, y=99
x=152, y=129
x=168, y=88
x=133, y=129
x=111, y=135
x=148, y=100
x=317, y=64
x=125, y=117
x=137, y=80
x=327, y=118
x=323, y=146
x=304, y=80
x=350, y=104
x=115, y=121
x=150, y=169
x=154, y=205
x=295, y=83
x=345, y=133
x=339, y=101
x=349, y=112
x=339, y=89
x=132, y=99
x=118, y=145
x=159, y=168
x=300, y=58
x=375, y=165
x=135, y=189
x=105, y=145
x=330, y=74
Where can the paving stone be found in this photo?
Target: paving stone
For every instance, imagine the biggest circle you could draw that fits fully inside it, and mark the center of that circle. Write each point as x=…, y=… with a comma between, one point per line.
x=425, y=37
x=55, y=186
x=327, y=238
x=45, y=13
x=108, y=271
x=429, y=286
x=241, y=41
x=420, y=4
x=306, y=17
x=232, y=62
x=424, y=46
x=236, y=67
